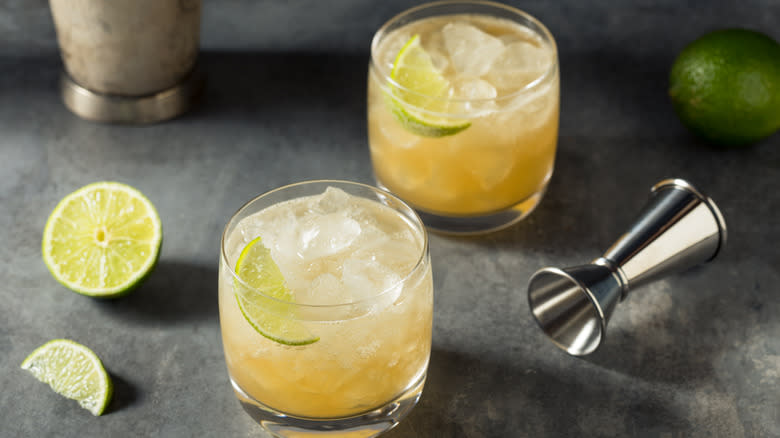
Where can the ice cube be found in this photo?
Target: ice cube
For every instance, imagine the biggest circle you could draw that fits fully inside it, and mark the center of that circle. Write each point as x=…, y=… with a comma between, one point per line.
x=471, y=50
x=439, y=60
x=474, y=97
x=246, y=231
x=437, y=50
x=356, y=275
x=280, y=235
x=372, y=241
x=390, y=47
x=395, y=250
x=490, y=167
x=410, y=169
x=328, y=234
x=519, y=64
x=332, y=200
x=473, y=88
x=391, y=130
x=531, y=109
x=367, y=278
x=324, y=289
x=401, y=253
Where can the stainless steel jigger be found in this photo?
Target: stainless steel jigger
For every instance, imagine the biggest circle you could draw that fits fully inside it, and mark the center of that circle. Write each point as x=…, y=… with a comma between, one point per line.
x=678, y=228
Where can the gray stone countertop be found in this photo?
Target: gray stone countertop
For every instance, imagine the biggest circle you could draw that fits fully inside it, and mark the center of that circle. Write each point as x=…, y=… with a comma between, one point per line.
x=695, y=354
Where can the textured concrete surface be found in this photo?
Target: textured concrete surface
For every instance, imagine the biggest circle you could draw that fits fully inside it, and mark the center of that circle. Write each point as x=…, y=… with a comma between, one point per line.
x=696, y=354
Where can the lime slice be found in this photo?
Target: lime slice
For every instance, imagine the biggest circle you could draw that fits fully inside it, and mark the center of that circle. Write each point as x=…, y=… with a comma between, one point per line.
x=424, y=88
x=102, y=240
x=267, y=304
x=72, y=370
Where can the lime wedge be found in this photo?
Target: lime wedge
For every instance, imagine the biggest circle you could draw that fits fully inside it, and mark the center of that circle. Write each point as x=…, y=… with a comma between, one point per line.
x=424, y=88
x=102, y=240
x=267, y=304
x=72, y=370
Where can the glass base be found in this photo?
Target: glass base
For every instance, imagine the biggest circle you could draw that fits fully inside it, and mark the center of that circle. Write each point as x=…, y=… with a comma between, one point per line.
x=474, y=225
x=366, y=425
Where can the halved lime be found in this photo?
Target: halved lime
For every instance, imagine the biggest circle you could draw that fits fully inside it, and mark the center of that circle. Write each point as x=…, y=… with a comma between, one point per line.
x=424, y=88
x=74, y=371
x=267, y=304
x=102, y=240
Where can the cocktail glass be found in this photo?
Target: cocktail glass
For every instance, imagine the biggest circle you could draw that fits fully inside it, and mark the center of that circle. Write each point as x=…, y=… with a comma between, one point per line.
x=463, y=102
x=347, y=350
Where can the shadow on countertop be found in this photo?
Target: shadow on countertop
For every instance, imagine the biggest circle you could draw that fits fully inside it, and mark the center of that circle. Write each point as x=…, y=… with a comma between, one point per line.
x=517, y=401
x=256, y=85
x=125, y=394
x=174, y=292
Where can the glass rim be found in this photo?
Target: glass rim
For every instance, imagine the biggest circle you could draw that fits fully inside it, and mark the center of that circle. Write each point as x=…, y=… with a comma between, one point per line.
x=528, y=88
x=419, y=264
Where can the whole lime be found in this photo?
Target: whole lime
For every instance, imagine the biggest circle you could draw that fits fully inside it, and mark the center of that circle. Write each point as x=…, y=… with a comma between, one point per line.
x=725, y=86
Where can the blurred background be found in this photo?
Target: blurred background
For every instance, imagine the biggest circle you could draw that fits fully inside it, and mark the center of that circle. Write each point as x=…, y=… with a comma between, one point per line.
x=26, y=27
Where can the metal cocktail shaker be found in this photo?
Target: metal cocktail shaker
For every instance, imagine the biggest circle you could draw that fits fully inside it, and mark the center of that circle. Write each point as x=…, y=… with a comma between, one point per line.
x=678, y=228
x=128, y=61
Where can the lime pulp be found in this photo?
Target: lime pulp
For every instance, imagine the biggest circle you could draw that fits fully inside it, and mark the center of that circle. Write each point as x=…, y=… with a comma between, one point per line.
x=264, y=298
x=74, y=371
